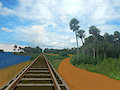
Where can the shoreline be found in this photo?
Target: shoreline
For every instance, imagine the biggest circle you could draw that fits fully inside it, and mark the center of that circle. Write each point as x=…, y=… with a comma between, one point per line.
x=7, y=73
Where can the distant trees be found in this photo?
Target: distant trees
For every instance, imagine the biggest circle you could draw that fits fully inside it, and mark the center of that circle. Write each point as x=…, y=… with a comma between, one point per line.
x=20, y=48
x=74, y=25
x=1, y=51
x=32, y=50
x=37, y=49
x=15, y=47
x=58, y=51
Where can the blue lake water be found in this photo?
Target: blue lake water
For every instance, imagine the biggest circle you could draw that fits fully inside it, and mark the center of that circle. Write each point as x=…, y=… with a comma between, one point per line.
x=9, y=59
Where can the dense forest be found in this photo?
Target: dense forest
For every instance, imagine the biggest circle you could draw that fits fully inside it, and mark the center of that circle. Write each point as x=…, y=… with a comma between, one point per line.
x=106, y=46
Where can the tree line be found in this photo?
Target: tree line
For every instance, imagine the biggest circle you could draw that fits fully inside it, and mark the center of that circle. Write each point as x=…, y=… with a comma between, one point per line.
x=28, y=50
x=1, y=51
x=58, y=51
x=96, y=45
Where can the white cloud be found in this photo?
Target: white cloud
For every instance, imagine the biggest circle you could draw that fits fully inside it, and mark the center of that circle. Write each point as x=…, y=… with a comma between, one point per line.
x=72, y=7
x=6, y=29
x=6, y=11
x=38, y=35
x=108, y=28
x=8, y=48
x=53, y=16
x=34, y=10
x=92, y=11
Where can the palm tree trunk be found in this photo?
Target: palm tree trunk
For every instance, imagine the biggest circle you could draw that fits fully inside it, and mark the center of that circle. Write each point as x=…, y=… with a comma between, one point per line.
x=94, y=52
x=97, y=49
x=82, y=41
x=83, y=47
x=97, y=52
x=104, y=54
x=77, y=45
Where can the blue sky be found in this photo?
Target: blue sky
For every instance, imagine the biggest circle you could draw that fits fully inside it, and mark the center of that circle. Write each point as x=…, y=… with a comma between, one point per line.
x=45, y=23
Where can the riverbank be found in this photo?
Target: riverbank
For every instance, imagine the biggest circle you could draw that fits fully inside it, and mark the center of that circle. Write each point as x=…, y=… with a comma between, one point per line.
x=6, y=74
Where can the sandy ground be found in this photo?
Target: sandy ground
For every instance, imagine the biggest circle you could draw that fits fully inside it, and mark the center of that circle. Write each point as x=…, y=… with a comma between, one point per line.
x=78, y=79
x=8, y=73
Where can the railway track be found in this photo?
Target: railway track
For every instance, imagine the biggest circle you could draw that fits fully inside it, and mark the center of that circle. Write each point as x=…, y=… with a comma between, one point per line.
x=39, y=75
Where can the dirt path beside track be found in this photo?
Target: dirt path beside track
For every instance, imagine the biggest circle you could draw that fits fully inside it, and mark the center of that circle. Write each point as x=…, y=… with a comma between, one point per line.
x=79, y=79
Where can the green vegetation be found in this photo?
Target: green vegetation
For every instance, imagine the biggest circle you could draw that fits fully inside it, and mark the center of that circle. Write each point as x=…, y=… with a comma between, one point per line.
x=85, y=60
x=55, y=60
x=64, y=54
x=34, y=56
x=109, y=66
x=29, y=51
x=99, y=53
x=32, y=50
x=58, y=51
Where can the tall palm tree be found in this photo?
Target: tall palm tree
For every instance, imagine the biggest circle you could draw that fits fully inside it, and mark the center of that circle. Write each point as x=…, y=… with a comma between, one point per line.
x=95, y=33
x=117, y=36
x=75, y=27
x=81, y=35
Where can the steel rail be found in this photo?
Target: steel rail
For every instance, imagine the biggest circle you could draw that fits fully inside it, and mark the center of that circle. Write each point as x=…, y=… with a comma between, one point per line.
x=13, y=84
x=67, y=87
x=31, y=70
x=57, y=87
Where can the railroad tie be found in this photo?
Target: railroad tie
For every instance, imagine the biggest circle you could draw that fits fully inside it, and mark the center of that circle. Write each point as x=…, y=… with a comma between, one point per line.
x=37, y=75
x=35, y=84
x=39, y=68
x=36, y=79
x=37, y=71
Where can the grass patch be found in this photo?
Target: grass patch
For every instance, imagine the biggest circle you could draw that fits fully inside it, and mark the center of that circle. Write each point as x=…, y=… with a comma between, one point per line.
x=109, y=67
x=34, y=56
x=55, y=60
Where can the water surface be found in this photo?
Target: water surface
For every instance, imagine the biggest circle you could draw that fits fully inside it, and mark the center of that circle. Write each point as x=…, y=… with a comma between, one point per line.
x=8, y=59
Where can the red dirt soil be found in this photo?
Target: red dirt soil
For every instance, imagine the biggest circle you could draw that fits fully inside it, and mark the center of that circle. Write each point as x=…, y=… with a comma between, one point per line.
x=79, y=79
x=51, y=54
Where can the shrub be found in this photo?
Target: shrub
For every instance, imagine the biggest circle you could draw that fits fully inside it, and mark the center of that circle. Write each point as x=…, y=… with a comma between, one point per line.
x=109, y=65
x=74, y=60
x=106, y=66
x=21, y=52
x=84, y=59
